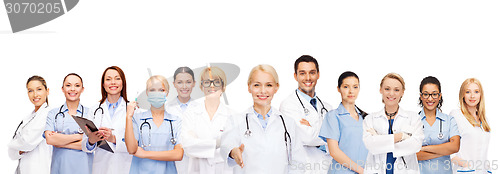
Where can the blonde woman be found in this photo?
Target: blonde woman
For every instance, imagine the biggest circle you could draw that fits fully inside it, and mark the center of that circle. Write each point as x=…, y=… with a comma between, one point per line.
x=204, y=124
x=392, y=136
x=474, y=129
x=153, y=136
x=261, y=140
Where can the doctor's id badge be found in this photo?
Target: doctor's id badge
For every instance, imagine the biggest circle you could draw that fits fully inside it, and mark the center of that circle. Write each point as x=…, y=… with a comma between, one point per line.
x=25, y=14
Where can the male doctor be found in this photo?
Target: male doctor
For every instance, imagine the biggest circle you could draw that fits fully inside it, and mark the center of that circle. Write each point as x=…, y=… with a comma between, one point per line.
x=308, y=111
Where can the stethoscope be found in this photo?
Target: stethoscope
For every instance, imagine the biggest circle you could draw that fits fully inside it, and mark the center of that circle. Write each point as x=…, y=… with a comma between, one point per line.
x=440, y=135
x=80, y=131
x=288, y=138
x=146, y=123
x=102, y=111
x=33, y=117
x=306, y=111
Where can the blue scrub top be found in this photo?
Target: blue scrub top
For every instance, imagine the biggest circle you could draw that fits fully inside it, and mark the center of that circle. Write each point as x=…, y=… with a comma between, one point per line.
x=68, y=160
x=160, y=141
x=339, y=125
x=449, y=129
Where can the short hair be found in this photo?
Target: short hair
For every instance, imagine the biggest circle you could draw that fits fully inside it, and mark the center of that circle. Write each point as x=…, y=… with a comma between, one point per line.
x=264, y=68
x=216, y=73
x=393, y=76
x=184, y=69
x=305, y=58
x=158, y=78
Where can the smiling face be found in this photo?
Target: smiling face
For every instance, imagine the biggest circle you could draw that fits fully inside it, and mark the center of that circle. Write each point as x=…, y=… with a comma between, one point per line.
x=262, y=87
x=72, y=88
x=37, y=93
x=184, y=83
x=392, y=91
x=472, y=95
x=349, y=90
x=430, y=90
x=113, y=83
x=307, y=75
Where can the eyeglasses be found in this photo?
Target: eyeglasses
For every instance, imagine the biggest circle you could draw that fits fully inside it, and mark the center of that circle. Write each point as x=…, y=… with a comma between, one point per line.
x=208, y=83
x=434, y=95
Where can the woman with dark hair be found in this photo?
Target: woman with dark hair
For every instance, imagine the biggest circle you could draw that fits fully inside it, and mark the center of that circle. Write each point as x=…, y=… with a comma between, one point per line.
x=349, y=154
x=441, y=131
x=27, y=145
x=62, y=131
x=109, y=115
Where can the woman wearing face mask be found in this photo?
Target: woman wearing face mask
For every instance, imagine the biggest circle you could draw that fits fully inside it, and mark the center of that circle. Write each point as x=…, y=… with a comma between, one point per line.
x=204, y=125
x=474, y=130
x=109, y=115
x=349, y=154
x=64, y=134
x=392, y=136
x=153, y=136
x=441, y=131
x=27, y=145
x=184, y=83
x=262, y=140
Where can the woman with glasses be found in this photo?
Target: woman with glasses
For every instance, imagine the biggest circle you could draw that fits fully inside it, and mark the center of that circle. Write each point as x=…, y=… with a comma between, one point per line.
x=441, y=131
x=62, y=131
x=204, y=124
x=474, y=130
x=152, y=136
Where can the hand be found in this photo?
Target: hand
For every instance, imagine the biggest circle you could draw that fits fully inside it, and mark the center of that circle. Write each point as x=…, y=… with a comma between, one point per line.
x=108, y=134
x=51, y=133
x=131, y=108
x=305, y=122
x=94, y=137
x=372, y=131
x=21, y=152
x=236, y=154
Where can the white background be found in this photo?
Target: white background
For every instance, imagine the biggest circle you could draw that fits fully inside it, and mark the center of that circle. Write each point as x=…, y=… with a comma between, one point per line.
x=451, y=40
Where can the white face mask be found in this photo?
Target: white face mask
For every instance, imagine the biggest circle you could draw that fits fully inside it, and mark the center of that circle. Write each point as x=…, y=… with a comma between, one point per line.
x=157, y=99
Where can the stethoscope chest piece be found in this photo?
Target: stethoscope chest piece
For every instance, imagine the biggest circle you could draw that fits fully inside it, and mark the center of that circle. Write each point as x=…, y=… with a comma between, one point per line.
x=248, y=133
x=306, y=111
x=173, y=141
x=440, y=136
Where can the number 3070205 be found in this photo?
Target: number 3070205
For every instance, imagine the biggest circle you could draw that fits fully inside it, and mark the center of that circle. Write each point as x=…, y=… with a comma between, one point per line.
x=33, y=8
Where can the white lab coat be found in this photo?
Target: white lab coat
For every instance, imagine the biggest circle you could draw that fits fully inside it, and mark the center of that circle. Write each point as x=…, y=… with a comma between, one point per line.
x=106, y=162
x=380, y=144
x=174, y=108
x=318, y=160
x=38, y=154
x=474, y=144
x=265, y=150
x=200, y=136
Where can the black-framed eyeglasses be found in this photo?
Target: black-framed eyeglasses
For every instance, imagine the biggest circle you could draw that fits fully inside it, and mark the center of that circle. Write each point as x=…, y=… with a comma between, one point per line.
x=434, y=95
x=208, y=83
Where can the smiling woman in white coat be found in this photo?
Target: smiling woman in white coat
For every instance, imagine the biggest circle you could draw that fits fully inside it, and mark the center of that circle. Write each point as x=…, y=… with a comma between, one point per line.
x=27, y=145
x=109, y=115
x=184, y=83
x=392, y=136
x=203, y=126
x=262, y=140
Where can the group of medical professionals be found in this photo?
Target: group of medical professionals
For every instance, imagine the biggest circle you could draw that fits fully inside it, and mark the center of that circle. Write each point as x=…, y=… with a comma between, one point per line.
x=304, y=135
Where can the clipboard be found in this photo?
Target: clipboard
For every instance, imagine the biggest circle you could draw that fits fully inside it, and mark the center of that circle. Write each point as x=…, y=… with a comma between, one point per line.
x=82, y=122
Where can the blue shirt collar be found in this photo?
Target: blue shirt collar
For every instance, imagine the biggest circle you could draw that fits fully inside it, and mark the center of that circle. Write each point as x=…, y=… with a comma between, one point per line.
x=182, y=104
x=307, y=97
x=113, y=104
x=439, y=115
x=166, y=116
x=261, y=116
x=78, y=110
x=343, y=111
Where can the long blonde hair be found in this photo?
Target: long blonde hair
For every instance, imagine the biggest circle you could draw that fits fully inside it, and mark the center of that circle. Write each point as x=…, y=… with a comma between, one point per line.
x=480, y=106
